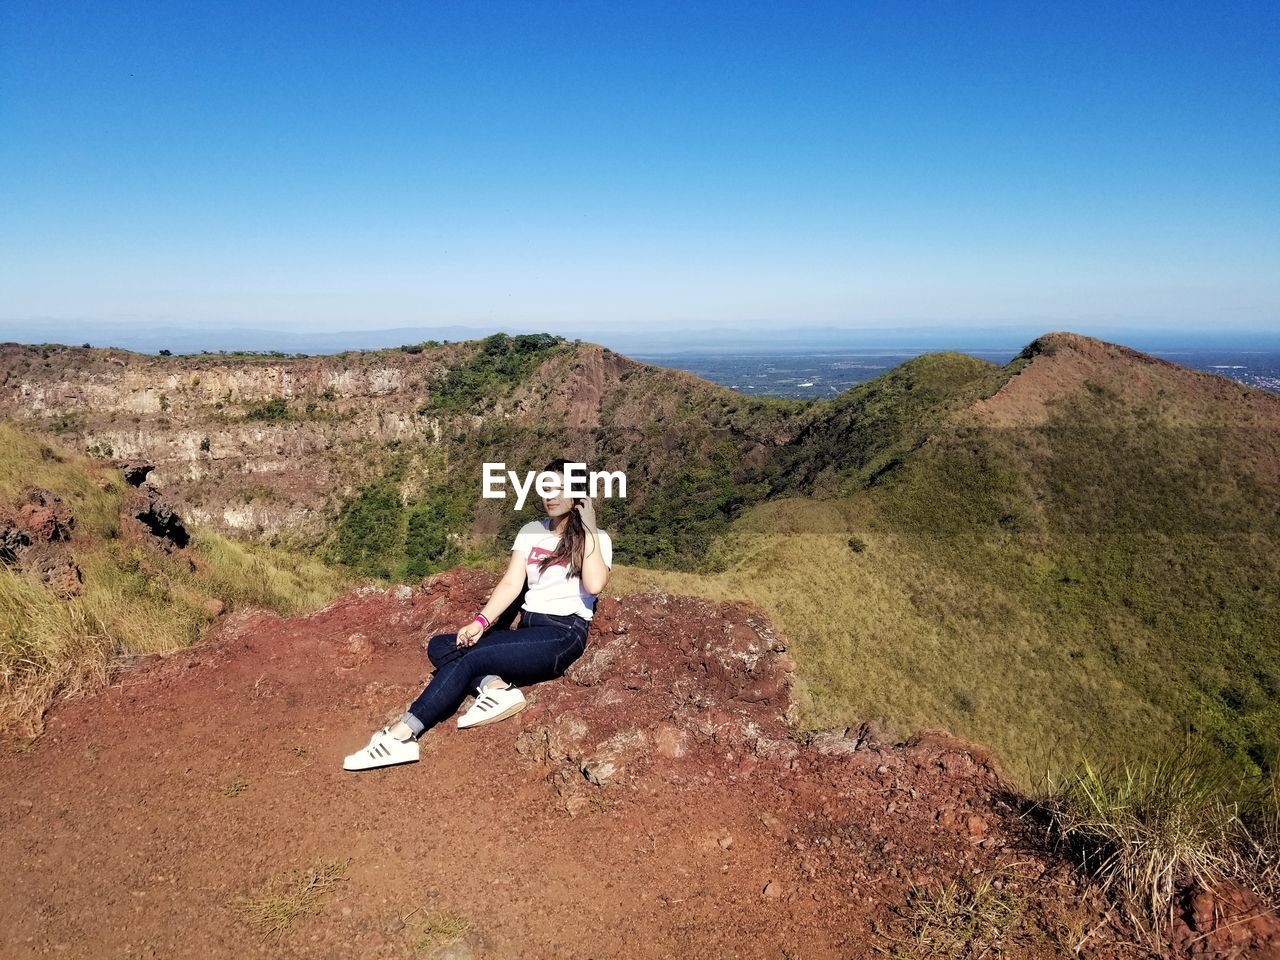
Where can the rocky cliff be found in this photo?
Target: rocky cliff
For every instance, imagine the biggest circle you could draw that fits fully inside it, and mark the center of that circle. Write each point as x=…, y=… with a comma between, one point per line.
x=262, y=446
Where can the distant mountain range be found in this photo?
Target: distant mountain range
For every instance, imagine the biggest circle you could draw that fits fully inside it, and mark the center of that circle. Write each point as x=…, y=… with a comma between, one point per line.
x=641, y=338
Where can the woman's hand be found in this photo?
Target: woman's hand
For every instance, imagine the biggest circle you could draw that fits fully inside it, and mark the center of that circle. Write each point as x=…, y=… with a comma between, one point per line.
x=468, y=635
x=587, y=511
x=595, y=573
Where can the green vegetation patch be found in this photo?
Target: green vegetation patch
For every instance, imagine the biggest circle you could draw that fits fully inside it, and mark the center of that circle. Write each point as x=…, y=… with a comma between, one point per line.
x=369, y=528
x=273, y=410
x=500, y=364
x=864, y=434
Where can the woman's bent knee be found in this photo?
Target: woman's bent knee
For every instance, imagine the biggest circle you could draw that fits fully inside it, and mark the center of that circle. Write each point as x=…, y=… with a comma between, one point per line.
x=439, y=645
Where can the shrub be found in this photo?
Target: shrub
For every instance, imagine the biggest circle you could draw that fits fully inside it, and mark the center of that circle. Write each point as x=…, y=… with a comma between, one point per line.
x=427, y=548
x=1146, y=830
x=368, y=529
x=270, y=410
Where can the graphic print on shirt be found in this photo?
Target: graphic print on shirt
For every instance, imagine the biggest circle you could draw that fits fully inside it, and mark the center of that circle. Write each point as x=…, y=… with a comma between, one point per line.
x=537, y=553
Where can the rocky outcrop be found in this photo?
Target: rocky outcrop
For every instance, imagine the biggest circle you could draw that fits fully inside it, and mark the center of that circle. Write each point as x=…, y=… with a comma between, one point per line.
x=37, y=531
x=1228, y=921
x=157, y=517
x=33, y=538
x=135, y=474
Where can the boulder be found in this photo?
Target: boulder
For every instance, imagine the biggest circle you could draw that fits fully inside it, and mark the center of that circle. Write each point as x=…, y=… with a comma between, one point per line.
x=614, y=756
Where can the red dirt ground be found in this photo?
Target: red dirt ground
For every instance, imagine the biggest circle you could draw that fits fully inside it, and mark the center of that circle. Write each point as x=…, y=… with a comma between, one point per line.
x=654, y=802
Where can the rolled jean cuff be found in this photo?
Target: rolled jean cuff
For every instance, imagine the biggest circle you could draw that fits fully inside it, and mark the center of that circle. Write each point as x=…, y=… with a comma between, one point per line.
x=413, y=723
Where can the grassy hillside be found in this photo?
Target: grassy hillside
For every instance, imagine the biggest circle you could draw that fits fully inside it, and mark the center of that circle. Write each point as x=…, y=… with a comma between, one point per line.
x=135, y=600
x=1101, y=576
x=697, y=456
x=849, y=441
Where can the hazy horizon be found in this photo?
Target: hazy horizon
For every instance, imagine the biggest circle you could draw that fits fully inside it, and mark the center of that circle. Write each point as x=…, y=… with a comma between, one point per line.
x=641, y=342
x=194, y=339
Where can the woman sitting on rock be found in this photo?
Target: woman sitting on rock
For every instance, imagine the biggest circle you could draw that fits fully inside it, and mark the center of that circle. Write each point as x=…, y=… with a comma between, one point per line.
x=567, y=561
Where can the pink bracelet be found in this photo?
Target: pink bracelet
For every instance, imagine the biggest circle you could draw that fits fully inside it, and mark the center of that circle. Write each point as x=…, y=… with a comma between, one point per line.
x=480, y=617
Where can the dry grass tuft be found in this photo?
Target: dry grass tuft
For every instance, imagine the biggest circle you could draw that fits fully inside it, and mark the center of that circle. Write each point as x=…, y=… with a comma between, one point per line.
x=245, y=573
x=960, y=919
x=289, y=897
x=1147, y=830
x=441, y=930
x=1261, y=847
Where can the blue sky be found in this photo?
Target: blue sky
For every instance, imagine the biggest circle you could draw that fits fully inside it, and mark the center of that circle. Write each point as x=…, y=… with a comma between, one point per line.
x=332, y=166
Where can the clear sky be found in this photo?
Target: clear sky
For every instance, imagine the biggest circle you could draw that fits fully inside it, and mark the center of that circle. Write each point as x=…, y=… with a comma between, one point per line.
x=338, y=165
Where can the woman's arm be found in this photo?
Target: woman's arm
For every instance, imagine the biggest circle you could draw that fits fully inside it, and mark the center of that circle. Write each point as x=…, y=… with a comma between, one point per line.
x=508, y=588
x=504, y=593
x=595, y=573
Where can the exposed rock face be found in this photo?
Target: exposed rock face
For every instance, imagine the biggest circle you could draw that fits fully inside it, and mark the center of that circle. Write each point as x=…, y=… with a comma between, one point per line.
x=260, y=447
x=44, y=516
x=51, y=566
x=158, y=517
x=12, y=540
x=33, y=535
x=183, y=425
x=135, y=474
x=1229, y=921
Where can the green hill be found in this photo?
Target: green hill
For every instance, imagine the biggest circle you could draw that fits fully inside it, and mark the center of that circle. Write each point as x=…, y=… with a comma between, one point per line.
x=1082, y=559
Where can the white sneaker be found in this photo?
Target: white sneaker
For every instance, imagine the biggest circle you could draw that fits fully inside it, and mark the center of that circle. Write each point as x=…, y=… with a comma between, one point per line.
x=383, y=750
x=489, y=706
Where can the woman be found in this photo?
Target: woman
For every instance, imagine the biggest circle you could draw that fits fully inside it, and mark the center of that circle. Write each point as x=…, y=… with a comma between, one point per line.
x=566, y=560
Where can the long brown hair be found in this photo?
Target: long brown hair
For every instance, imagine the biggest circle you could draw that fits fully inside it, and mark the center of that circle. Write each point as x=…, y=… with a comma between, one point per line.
x=573, y=539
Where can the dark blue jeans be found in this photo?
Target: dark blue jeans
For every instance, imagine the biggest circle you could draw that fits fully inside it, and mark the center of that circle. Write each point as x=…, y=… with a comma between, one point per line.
x=541, y=648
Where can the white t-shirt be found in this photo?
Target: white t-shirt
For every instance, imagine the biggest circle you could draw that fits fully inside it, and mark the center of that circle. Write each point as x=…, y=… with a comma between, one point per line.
x=551, y=590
